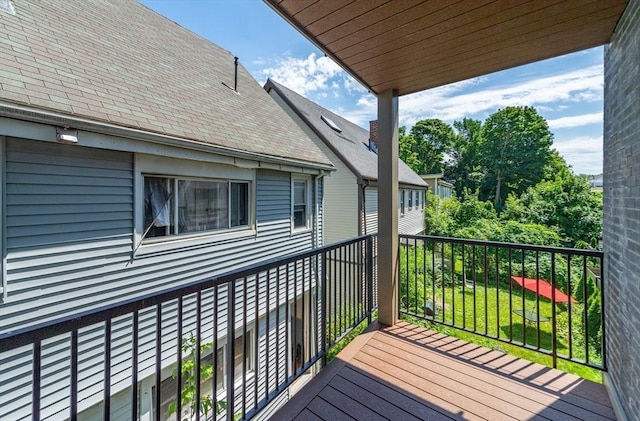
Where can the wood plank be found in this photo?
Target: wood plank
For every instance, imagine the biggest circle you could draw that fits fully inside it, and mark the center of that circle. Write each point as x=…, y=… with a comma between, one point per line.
x=385, y=408
x=374, y=17
x=532, y=399
x=387, y=393
x=307, y=415
x=409, y=373
x=350, y=406
x=473, y=397
x=536, y=374
x=377, y=30
x=291, y=7
x=523, y=52
x=382, y=374
x=302, y=399
x=324, y=410
x=344, y=16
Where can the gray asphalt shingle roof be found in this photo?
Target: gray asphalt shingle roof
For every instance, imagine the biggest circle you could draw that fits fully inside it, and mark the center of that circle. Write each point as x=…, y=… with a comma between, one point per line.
x=350, y=144
x=119, y=62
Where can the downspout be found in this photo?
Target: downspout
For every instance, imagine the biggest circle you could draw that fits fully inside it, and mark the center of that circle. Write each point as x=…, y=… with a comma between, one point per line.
x=362, y=211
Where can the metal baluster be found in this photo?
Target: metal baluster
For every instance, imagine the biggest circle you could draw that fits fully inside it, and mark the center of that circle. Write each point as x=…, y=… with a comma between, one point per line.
x=134, y=368
x=37, y=380
x=73, y=408
x=158, y=372
x=106, y=413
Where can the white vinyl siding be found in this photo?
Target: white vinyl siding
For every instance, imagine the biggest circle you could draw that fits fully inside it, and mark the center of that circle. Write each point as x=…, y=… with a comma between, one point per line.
x=340, y=210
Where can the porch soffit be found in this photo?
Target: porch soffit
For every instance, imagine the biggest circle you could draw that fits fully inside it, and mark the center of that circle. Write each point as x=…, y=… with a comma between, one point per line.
x=413, y=45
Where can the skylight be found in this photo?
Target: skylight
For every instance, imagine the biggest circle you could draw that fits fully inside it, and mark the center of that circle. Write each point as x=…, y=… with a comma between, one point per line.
x=7, y=7
x=331, y=123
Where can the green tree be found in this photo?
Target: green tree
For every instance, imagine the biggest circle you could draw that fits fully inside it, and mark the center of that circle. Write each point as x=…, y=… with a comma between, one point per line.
x=465, y=165
x=515, y=151
x=565, y=203
x=424, y=148
x=406, y=150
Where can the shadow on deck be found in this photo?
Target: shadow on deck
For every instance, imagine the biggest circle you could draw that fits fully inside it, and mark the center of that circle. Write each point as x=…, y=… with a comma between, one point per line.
x=405, y=372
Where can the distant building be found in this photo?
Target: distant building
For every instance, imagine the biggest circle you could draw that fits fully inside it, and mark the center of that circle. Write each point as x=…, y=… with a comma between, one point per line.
x=437, y=185
x=351, y=192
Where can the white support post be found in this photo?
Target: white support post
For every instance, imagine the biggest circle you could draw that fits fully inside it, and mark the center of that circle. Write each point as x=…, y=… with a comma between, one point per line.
x=388, y=207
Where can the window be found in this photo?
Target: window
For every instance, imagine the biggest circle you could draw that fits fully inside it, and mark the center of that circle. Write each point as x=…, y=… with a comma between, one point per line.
x=300, y=202
x=417, y=200
x=174, y=206
x=168, y=387
x=402, y=202
x=410, y=199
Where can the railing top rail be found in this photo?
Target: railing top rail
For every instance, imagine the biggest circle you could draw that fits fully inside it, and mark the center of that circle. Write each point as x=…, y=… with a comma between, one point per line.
x=531, y=247
x=24, y=336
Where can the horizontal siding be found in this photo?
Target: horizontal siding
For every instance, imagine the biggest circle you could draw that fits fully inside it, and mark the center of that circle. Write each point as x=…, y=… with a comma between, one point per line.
x=340, y=187
x=371, y=210
x=412, y=222
x=69, y=248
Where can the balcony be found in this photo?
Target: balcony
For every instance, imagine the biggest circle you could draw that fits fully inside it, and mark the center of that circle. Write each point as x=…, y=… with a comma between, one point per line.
x=246, y=340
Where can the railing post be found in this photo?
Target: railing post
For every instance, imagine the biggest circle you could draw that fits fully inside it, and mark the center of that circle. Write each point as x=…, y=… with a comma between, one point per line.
x=554, y=333
x=323, y=311
x=369, y=277
x=231, y=289
x=603, y=344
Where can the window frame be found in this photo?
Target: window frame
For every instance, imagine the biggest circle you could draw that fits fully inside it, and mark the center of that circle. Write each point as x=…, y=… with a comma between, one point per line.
x=307, y=197
x=174, y=203
x=221, y=392
x=177, y=168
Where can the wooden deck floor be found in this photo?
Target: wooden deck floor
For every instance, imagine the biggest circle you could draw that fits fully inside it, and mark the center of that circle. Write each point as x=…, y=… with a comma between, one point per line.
x=409, y=373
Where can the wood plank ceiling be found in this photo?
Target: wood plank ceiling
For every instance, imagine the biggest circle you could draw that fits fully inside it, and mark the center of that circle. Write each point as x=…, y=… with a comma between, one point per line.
x=413, y=45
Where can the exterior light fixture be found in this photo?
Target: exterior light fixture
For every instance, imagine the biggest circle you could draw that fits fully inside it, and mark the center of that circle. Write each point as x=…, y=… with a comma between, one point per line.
x=66, y=135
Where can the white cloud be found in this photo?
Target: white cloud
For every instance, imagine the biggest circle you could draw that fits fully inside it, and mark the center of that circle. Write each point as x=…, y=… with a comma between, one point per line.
x=453, y=102
x=583, y=153
x=575, y=121
x=307, y=75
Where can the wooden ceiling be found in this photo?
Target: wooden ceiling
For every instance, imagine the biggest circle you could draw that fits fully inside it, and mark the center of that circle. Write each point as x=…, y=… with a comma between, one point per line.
x=413, y=45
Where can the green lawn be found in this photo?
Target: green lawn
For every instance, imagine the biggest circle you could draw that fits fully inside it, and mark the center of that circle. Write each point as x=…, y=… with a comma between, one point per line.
x=491, y=313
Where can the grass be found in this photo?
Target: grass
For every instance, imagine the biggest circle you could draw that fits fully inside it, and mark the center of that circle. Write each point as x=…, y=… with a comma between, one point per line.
x=493, y=316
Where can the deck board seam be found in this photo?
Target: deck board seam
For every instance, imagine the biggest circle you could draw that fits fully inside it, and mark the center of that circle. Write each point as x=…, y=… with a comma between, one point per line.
x=480, y=375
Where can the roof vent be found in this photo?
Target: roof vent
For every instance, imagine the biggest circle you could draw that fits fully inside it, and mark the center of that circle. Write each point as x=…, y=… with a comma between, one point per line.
x=331, y=123
x=7, y=7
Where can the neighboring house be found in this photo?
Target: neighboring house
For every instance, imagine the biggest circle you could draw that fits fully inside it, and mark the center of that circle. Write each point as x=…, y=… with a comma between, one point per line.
x=438, y=186
x=130, y=164
x=351, y=194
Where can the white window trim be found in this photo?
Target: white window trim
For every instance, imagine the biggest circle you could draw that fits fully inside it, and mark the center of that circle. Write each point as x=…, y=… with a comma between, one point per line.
x=148, y=165
x=307, y=181
x=149, y=383
x=3, y=225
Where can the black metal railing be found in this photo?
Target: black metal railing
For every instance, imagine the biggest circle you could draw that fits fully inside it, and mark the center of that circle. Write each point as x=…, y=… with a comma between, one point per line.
x=547, y=299
x=222, y=348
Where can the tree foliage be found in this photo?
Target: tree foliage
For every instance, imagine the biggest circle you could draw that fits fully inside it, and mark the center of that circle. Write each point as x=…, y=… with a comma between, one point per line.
x=516, y=147
x=423, y=148
x=465, y=163
x=565, y=202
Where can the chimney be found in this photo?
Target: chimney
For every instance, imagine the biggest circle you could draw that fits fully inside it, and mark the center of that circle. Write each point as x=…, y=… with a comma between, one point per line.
x=373, y=134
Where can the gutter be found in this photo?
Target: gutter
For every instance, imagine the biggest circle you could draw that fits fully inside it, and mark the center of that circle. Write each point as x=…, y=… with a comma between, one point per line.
x=52, y=118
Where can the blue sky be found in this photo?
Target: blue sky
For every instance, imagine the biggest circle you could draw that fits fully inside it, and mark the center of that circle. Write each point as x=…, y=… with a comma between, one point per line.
x=567, y=90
